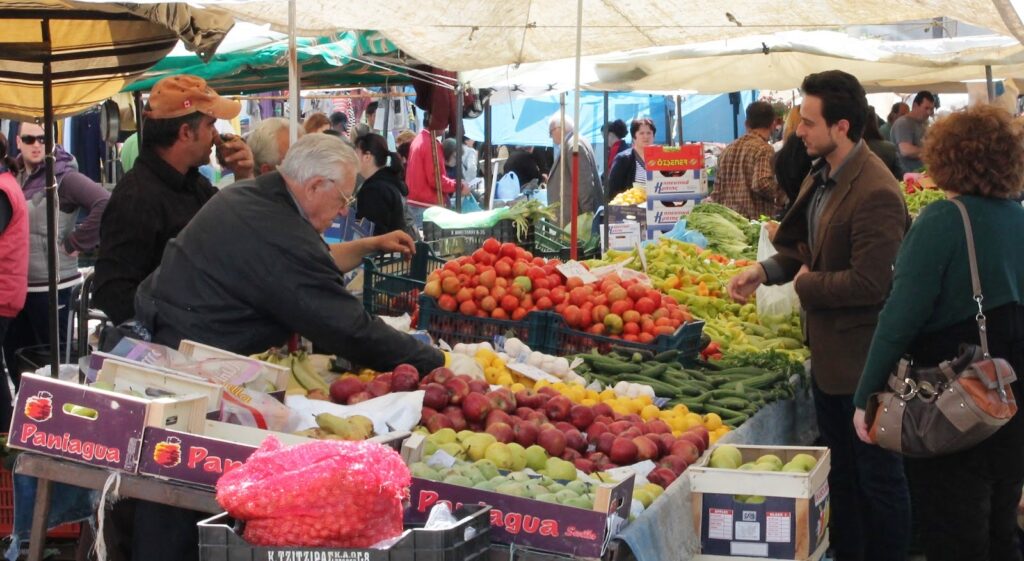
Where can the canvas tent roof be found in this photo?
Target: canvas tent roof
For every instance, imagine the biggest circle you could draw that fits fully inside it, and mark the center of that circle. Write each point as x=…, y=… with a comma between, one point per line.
x=473, y=35
x=776, y=61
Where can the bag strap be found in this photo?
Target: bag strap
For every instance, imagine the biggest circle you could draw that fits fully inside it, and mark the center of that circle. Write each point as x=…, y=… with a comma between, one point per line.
x=972, y=258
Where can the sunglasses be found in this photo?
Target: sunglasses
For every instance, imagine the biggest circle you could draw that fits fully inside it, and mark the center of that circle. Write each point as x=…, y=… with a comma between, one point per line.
x=29, y=140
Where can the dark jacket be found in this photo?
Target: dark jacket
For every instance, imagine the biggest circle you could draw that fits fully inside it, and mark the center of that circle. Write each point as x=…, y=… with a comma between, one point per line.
x=623, y=172
x=380, y=201
x=149, y=206
x=886, y=151
x=524, y=164
x=858, y=235
x=791, y=166
x=250, y=270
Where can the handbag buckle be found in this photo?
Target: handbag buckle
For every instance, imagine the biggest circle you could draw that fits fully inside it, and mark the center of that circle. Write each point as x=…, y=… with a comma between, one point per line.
x=927, y=392
x=910, y=389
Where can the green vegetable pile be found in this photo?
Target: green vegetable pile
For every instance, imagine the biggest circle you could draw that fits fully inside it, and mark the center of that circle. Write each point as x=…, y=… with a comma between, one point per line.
x=524, y=213
x=727, y=231
x=917, y=200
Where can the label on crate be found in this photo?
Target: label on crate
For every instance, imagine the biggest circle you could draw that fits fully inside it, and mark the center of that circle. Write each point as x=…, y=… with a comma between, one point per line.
x=674, y=158
x=731, y=525
x=748, y=531
x=625, y=235
x=189, y=457
x=778, y=526
x=720, y=524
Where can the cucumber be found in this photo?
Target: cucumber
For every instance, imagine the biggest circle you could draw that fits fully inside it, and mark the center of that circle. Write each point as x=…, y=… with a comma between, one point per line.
x=655, y=371
x=667, y=356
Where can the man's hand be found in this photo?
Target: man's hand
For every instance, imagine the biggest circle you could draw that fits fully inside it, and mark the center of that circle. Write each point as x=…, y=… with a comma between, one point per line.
x=395, y=242
x=465, y=189
x=804, y=269
x=235, y=155
x=746, y=282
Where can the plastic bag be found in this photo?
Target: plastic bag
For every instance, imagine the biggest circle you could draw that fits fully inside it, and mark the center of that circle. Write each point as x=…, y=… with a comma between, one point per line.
x=680, y=233
x=774, y=300
x=469, y=204
x=250, y=408
x=318, y=494
x=508, y=187
x=446, y=218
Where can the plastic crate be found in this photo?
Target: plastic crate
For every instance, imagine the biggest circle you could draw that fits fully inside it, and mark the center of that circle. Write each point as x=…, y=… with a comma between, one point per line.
x=473, y=238
x=454, y=327
x=7, y=511
x=220, y=540
x=563, y=340
x=552, y=242
x=392, y=285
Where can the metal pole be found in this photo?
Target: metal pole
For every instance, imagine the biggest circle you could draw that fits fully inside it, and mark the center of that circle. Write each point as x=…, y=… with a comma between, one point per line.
x=51, y=210
x=989, y=84
x=574, y=210
x=561, y=157
x=138, y=116
x=488, y=162
x=679, y=118
x=607, y=147
x=386, y=129
x=669, y=137
x=459, y=100
x=293, y=75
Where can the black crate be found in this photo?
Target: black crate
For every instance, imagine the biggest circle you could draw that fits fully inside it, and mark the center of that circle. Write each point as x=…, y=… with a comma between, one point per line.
x=552, y=242
x=220, y=539
x=563, y=340
x=391, y=285
x=472, y=239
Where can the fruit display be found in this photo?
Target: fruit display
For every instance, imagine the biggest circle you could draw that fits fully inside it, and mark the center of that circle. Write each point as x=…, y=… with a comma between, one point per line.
x=697, y=279
x=350, y=389
x=730, y=457
x=306, y=378
x=635, y=195
x=728, y=232
x=333, y=427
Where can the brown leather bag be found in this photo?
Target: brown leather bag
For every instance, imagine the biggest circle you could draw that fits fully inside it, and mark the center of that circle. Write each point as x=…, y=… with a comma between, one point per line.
x=927, y=412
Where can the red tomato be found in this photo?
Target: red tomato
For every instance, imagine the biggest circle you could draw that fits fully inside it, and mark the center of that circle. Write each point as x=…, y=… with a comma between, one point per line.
x=480, y=291
x=463, y=295
x=558, y=294
x=631, y=316
x=578, y=296
x=541, y=283
x=488, y=303
x=654, y=295
x=599, y=313
x=536, y=273
x=663, y=321
x=519, y=314
x=616, y=293
x=586, y=315
x=503, y=268
x=447, y=303
x=573, y=282
x=560, y=308
x=645, y=305
x=527, y=302
x=636, y=291
x=498, y=292
x=509, y=303
x=596, y=329
x=453, y=266
x=501, y=281
x=544, y=303
x=492, y=246
x=631, y=337
x=499, y=313
x=631, y=328
x=572, y=315
x=600, y=299
x=645, y=337
x=620, y=307
x=664, y=330
x=539, y=261
x=488, y=278
x=509, y=250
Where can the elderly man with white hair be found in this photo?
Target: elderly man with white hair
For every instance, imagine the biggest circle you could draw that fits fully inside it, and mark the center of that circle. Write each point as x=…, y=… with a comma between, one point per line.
x=251, y=268
x=591, y=195
x=269, y=143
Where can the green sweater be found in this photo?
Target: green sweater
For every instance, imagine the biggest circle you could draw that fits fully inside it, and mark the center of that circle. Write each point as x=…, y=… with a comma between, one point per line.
x=932, y=282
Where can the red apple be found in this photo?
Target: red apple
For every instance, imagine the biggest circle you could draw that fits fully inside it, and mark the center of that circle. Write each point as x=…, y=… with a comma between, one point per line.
x=438, y=422
x=406, y=378
x=359, y=398
x=454, y=413
x=552, y=440
x=661, y=476
x=342, y=388
x=684, y=449
x=657, y=426
x=458, y=389
x=702, y=432
x=435, y=396
x=581, y=416
x=633, y=418
x=557, y=408
x=606, y=419
x=571, y=455
x=664, y=442
x=476, y=406
x=526, y=434
x=695, y=439
x=502, y=399
x=585, y=465
x=605, y=441
x=426, y=413
x=603, y=409
x=674, y=463
x=646, y=449
x=379, y=386
x=479, y=386
x=502, y=432
x=548, y=391
x=623, y=451
x=595, y=430
x=498, y=416
x=538, y=418
x=528, y=398
x=575, y=440
x=439, y=375
x=619, y=426
x=564, y=426
x=524, y=412
x=631, y=433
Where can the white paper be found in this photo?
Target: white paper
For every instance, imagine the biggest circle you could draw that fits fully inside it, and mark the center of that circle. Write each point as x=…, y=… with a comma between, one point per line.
x=748, y=531
x=399, y=411
x=531, y=372
x=576, y=269
x=719, y=524
x=441, y=459
x=778, y=526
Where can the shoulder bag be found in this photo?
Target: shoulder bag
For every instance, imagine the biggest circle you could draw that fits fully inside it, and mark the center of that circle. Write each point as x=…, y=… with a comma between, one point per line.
x=927, y=412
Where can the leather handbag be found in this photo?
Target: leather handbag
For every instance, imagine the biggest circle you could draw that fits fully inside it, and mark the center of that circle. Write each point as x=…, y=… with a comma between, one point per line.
x=928, y=412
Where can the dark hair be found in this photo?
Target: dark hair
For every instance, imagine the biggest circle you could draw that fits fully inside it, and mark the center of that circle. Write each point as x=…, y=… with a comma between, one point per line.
x=760, y=115
x=331, y=132
x=635, y=124
x=842, y=97
x=338, y=118
x=618, y=126
x=894, y=113
x=403, y=150
x=163, y=133
x=375, y=145
x=871, y=131
x=372, y=107
x=4, y=158
x=923, y=95
x=792, y=163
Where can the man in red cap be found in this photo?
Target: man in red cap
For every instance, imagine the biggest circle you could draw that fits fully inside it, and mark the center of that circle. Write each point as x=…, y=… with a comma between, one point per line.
x=149, y=206
x=164, y=189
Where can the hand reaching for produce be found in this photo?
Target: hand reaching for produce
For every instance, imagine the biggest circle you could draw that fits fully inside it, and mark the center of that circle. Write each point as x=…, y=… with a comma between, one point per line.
x=395, y=242
x=861, y=426
x=746, y=282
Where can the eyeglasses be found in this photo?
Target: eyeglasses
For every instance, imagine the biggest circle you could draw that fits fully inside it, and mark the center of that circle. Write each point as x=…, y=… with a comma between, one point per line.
x=29, y=139
x=346, y=200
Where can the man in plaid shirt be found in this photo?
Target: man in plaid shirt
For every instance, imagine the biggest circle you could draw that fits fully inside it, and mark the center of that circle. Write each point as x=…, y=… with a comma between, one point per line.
x=745, y=181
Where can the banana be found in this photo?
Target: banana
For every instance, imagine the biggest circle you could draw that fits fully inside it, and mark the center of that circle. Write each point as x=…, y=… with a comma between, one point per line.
x=306, y=377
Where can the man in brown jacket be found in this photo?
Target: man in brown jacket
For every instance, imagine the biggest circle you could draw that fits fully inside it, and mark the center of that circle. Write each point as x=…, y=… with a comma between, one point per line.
x=839, y=242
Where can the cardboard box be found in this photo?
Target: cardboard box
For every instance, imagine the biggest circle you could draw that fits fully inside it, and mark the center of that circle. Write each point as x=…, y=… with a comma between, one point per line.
x=675, y=170
x=202, y=458
x=581, y=533
x=105, y=431
x=135, y=377
x=667, y=213
x=791, y=523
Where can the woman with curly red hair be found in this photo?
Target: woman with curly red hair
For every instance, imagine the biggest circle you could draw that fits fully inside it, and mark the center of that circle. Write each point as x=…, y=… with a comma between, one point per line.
x=967, y=501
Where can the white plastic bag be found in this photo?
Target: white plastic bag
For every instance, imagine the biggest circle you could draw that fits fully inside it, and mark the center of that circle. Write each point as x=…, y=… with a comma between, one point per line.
x=774, y=300
x=508, y=187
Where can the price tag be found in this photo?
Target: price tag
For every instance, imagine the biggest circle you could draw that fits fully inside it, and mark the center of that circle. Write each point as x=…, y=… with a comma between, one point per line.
x=576, y=269
x=643, y=257
x=531, y=372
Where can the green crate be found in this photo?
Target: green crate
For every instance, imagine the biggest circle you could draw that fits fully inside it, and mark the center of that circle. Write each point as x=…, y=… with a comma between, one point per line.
x=455, y=242
x=455, y=327
x=552, y=242
x=562, y=340
x=392, y=285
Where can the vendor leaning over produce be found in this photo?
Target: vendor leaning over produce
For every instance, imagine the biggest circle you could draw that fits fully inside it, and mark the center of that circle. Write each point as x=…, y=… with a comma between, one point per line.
x=838, y=243
x=251, y=269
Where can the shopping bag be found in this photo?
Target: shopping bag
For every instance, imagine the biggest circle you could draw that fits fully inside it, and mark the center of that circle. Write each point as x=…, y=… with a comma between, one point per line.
x=774, y=300
x=469, y=204
x=508, y=187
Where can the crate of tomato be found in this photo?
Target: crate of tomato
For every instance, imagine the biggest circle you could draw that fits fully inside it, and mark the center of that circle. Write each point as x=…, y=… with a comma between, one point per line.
x=393, y=283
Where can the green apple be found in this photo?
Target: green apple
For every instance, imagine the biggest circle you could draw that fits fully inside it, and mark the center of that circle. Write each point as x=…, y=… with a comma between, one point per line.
x=444, y=436
x=755, y=500
x=747, y=466
x=726, y=457
x=464, y=435
x=459, y=480
x=580, y=502
x=794, y=467
x=643, y=496
x=766, y=466
x=423, y=471
x=477, y=443
x=558, y=468
x=513, y=488
x=500, y=455
x=547, y=497
x=770, y=458
x=487, y=469
x=518, y=453
x=536, y=458
x=454, y=449
x=485, y=486
x=807, y=460
x=580, y=487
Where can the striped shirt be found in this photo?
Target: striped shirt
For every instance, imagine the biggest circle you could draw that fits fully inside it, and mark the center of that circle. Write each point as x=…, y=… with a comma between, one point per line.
x=745, y=181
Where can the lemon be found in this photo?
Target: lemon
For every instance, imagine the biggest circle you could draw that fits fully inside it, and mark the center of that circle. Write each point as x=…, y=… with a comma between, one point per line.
x=650, y=412
x=712, y=421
